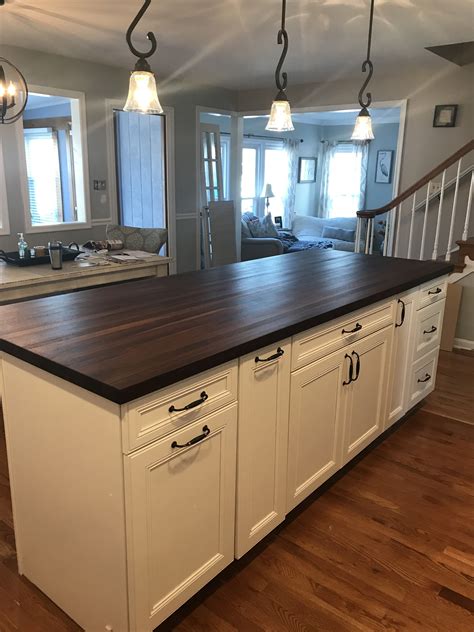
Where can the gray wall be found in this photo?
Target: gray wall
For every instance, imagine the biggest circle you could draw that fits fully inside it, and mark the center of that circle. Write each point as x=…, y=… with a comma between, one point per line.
x=100, y=82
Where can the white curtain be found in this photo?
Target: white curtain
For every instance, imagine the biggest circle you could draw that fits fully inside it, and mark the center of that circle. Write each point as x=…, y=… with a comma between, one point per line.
x=344, y=178
x=291, y=148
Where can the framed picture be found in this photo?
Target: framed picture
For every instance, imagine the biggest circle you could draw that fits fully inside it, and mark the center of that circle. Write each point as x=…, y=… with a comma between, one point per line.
x=445, y=115
x=307, y=170
x=383, y=169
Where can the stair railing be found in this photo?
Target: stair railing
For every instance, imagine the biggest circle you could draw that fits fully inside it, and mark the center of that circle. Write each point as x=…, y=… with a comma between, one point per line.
x=365, y=232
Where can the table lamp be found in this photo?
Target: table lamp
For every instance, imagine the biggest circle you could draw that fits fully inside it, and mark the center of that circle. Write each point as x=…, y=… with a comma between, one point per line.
x=267, y=193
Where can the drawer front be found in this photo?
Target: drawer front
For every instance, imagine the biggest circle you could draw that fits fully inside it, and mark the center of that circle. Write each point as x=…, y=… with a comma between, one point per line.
x=423, y=377
x=323, y=340
x=432, y=292
x=429, y=323
x=161, y=413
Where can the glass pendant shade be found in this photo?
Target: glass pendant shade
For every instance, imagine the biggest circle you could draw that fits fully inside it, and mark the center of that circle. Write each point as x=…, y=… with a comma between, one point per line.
x=280, y=117
x=142, y=94
x=363, y=126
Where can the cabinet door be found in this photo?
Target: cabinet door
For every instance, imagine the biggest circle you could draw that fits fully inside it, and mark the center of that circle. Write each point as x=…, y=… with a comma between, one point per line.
x=180, y=506
x=264, y=387
x=366, y=409
x=402, y=353
x=317, y=402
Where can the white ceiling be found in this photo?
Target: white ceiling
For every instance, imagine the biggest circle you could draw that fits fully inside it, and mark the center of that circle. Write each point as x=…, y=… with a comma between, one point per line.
x=232, y=43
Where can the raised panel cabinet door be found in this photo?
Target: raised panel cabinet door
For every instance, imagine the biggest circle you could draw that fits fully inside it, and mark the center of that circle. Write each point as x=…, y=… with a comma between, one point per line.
x=180, y=508
x=317, y=403
x=264, y=391
x=401, y=357
x=366, y=410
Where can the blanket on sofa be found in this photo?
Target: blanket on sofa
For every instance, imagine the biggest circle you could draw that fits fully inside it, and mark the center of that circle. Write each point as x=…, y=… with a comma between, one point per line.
x=293, y=244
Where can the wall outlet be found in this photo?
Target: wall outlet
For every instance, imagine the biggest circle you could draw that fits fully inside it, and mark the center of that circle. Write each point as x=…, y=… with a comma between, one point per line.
x=100, y=185
x=435, y=187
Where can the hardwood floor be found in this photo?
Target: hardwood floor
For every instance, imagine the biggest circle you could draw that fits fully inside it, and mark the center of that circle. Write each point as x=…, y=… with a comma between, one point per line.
x=389, y=546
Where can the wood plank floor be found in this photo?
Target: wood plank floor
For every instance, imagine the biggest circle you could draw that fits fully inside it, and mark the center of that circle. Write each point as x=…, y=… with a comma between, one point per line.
x=389, y=546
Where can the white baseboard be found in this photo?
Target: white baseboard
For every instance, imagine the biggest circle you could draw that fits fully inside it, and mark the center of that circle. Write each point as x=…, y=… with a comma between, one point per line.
x=462, y=343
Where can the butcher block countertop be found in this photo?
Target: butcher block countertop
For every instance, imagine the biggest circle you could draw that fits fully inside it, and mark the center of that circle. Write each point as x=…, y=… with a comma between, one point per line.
x=125, y=341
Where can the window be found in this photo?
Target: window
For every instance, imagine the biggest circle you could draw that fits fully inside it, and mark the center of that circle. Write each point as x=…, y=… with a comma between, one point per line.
x=4, y=223
x=55, y=162
x=225, y=156
x=346, y=179
x=263, y=162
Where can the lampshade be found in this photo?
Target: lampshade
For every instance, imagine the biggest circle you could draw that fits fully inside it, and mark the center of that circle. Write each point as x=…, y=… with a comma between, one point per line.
x=267, y=191
x=142, y=94
x=363, y=126
x=280, y=117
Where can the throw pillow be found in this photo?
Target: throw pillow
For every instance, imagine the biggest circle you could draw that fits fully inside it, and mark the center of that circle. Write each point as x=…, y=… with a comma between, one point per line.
x=332, y=232
x=245, y=230
x=269, y=227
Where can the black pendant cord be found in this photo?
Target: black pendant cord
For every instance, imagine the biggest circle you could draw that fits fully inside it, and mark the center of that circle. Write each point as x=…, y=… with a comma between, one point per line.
x=142, y=64
x=367, y=63
x=281, y=79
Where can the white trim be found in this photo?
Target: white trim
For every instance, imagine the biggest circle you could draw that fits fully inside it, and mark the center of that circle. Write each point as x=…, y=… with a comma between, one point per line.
x=447, y=186
x=110, y=106
x=463, y=343
x=102, y=221
x=78, y=110
x=186, y=216
x=4, y=215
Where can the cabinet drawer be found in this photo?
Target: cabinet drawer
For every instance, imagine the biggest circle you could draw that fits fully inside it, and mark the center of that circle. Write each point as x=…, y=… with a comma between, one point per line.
x=423, y=377
x=432, y=292
x=158, y=414
x=323, y=340
x=429, y=322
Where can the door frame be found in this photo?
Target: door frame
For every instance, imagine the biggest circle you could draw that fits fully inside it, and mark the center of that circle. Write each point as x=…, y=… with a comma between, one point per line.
x=117, y=104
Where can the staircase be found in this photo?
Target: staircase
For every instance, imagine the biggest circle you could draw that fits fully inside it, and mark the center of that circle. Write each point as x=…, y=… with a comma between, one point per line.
x=430, y=220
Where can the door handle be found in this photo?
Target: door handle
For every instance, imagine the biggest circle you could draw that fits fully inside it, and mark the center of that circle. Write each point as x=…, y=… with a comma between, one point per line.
x=437, y=291
x=402, y=303
x=357, y=328
x=198, y=402
x=354, y=353
x=427, y=378
x=205, y=433
x=275, y=356
x=351, y=370
x=430, y=331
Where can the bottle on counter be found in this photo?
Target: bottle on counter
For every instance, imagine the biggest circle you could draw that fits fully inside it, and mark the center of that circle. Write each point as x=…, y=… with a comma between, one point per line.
x=22, y=246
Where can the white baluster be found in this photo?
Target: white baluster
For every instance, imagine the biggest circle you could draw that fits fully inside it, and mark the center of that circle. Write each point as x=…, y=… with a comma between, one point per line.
x=368, y=236
x=387, y=233
x=468, y=211
x=357, y=237
x=399, y=223
x=438, y=223
x=453, y=213
x=425, y=221
x=412, y=225
x=372, y=232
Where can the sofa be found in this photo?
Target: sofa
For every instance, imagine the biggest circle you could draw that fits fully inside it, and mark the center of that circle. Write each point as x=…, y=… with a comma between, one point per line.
x=339, y=230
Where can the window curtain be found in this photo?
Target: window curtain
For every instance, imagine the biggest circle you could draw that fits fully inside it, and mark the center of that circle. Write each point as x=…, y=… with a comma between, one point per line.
x=291, y=147
x=344, y=178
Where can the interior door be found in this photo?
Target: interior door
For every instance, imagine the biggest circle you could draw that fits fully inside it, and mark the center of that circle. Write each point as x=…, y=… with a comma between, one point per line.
x=212, y=186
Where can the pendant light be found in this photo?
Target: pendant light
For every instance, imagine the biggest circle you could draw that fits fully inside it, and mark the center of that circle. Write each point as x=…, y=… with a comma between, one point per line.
x=280, y=115
x=363, y=125
x=142, y=94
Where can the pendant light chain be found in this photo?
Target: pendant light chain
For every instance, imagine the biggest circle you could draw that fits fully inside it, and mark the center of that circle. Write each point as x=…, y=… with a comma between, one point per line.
x=282, y=82
x=368, y=63
x=142, y=57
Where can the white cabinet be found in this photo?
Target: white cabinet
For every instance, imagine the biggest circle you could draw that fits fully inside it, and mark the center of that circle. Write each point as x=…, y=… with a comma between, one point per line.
x=180, y=515
x=264, y=385
x=366, y=407
x=401, y=356
x=316, y=415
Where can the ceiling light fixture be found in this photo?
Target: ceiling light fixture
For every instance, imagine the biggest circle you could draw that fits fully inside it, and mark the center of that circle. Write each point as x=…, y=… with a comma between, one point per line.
x=363, y=126
x=280, y=115
x=142, y=93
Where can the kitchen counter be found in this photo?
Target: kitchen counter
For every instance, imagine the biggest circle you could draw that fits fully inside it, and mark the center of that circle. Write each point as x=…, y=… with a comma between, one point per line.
x=122, y=342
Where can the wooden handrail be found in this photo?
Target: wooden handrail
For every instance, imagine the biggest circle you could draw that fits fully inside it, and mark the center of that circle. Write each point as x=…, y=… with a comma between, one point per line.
x=420, y=183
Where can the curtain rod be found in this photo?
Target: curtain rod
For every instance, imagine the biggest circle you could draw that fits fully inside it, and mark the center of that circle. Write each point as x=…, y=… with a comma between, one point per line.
x=265, y=137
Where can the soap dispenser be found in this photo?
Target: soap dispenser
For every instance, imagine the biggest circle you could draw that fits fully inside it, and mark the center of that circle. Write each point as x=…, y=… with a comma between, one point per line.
x=22, y=246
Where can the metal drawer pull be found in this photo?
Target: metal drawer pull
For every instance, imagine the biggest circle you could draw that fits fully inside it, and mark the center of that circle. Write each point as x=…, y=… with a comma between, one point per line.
x=427, y=378
x=357, y=328
x=437, y=291
x=402, y=320
x=354, y=353
x=430, y=331
x=351, y=370
x=205, y=433
x=277, y=355
x=198, y=402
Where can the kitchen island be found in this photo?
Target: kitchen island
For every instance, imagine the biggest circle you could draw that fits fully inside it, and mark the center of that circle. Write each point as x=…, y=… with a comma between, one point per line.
x=157, y=430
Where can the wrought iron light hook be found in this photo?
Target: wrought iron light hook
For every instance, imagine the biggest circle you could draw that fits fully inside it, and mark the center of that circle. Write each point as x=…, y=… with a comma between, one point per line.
x=367, y=63
x=141, y=64
x=281, y=79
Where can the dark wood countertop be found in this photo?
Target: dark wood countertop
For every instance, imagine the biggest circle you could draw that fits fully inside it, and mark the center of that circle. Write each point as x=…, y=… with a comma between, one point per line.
x=125, y=341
